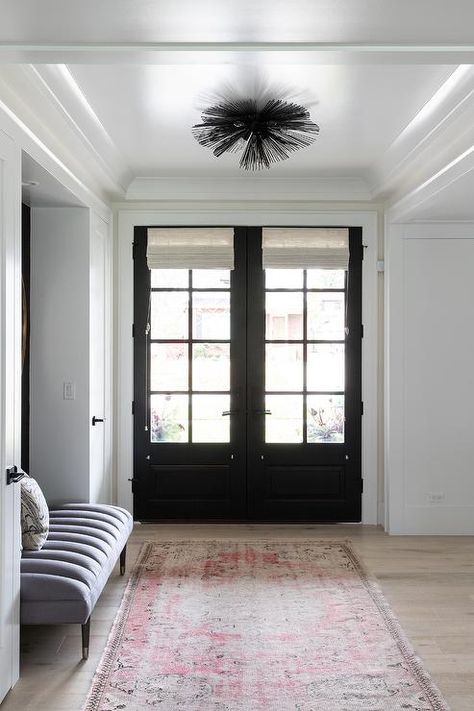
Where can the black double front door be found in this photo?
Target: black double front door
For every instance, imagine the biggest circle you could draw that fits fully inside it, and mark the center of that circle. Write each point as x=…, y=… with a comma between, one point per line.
x=247, y=394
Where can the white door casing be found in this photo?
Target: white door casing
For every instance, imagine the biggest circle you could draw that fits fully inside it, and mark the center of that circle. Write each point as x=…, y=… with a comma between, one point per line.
x=10, y=409
x=99, y=350
x=215, y=214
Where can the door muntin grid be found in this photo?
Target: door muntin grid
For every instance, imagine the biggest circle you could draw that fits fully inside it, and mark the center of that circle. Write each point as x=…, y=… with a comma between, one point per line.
x=189, y=356
x=305, y=332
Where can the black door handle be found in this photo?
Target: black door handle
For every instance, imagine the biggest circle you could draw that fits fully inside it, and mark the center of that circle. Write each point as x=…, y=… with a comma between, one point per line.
x=95, y=420
x=262, y=412
x=13, y=475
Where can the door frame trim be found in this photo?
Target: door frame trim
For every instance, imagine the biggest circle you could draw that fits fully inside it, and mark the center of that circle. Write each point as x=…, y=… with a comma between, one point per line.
x=10, y=392
x=254, y=215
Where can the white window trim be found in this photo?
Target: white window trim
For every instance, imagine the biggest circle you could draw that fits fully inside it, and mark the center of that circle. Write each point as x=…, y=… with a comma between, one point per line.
x=128, y=219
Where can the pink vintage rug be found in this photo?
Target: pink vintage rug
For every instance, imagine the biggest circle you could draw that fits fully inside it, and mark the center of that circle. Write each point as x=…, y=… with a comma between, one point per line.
x=247, y=626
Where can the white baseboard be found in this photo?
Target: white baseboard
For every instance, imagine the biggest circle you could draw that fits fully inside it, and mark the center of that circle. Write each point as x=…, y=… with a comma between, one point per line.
x=381, y=513
x=439, y=520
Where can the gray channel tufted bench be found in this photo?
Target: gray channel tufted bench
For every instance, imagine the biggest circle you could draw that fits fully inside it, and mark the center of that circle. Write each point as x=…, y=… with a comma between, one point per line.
x=61, y=583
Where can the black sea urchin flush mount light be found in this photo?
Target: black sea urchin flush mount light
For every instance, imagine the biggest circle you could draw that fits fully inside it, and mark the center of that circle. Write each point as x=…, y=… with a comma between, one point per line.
x=265, y=132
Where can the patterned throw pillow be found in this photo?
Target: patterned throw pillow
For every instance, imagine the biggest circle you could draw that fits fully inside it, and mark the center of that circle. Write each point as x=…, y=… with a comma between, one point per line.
x=34, y=515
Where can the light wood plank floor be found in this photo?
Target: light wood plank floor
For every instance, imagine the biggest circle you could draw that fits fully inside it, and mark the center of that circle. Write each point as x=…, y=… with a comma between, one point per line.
x=429, y=581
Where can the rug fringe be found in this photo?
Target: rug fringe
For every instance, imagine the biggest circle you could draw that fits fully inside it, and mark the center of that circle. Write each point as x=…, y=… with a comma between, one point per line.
x=115, y=635
x=414, y=662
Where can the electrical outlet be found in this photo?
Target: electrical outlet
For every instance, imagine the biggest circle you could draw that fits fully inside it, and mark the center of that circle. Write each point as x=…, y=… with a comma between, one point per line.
x=69, y=391
x=436, y=497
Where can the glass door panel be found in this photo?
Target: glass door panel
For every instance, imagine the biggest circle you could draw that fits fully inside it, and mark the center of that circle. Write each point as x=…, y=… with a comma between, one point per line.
x=169, y=366
x=209, y=422
x=325, y=278
x=211, y=315
x=311, y=320
x=211, y=278
x=175, y=278
x=180, y=361
x=325, y=367
x=326, y=315
x=284, y=315
x=169, y=315
x=283, y=418
x=211, y=366
x=325, y=419
x=283, y=366
x=283, y=278
x=169, y=418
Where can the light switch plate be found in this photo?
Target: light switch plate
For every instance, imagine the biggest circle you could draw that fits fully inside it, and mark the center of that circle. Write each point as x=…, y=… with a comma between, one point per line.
x=69, y=391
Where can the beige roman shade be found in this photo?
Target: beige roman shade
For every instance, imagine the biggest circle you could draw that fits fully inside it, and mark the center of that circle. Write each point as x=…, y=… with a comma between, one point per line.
x=190, y=248
x=305, y=248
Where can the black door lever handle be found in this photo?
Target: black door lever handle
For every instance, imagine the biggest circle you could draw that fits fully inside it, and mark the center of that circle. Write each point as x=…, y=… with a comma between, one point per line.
x=95, y=420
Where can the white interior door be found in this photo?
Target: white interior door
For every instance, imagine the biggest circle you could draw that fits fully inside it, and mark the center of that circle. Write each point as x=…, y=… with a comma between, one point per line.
x=10, y=421
x=99, y=371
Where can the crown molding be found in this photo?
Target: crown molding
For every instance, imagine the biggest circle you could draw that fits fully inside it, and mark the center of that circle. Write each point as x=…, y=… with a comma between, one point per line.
x=20, y=134
x=64, y=91
x=406, y=208
x=442, y=130
x=48, y=109
x=243, y=210
x=248, y=188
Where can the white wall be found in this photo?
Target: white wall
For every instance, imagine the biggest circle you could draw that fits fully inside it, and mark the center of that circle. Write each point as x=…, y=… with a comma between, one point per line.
x=17, y=137
x=59, y=456
x=430, y=378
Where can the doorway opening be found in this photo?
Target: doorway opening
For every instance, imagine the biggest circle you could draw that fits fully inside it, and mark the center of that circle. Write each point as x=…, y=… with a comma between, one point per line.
x=247, y=381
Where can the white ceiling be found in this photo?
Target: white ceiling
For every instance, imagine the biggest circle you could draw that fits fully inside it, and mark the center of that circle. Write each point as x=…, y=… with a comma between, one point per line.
x=89, y=21
x=45, y=191
x=122, y=83
x=148, y=112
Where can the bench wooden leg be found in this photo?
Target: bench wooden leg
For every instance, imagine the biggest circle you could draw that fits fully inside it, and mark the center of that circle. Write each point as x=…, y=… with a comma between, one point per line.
x=123, y=558
x=86, y=627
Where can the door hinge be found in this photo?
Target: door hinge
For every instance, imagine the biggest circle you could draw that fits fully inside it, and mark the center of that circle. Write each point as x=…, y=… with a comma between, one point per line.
x=361, y=486
x=362, y=330
x=133, y=250
x=361, y=407
x=133, y=330
x=364, y=247
x=133, y=481
x=133, y=407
